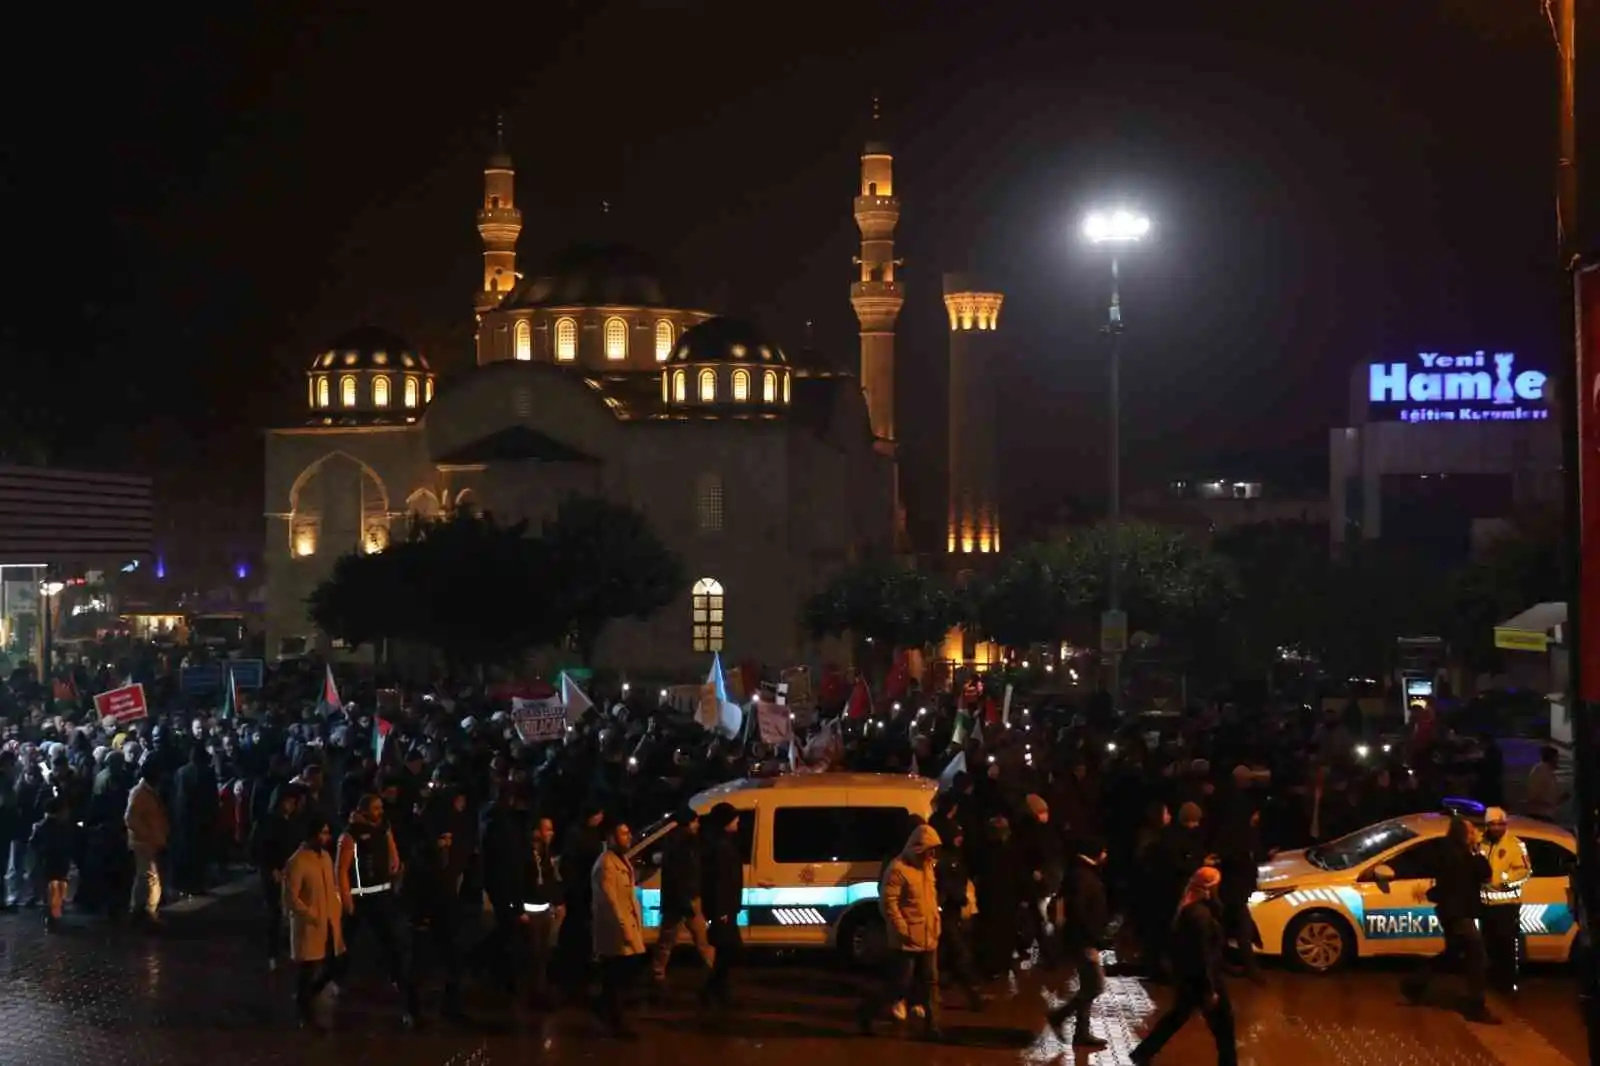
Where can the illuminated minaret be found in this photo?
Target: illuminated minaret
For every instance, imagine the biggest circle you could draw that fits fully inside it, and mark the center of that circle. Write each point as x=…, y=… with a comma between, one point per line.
x=499, y=223
x=877, y=297
x=974, y=515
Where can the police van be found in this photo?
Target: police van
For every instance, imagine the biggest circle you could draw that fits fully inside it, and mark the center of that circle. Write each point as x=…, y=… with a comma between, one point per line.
x=813, y=848
x=1366, y=894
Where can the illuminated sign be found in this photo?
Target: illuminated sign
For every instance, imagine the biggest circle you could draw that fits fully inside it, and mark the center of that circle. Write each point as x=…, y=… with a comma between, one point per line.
x=1477, y=387
x=1403, y=924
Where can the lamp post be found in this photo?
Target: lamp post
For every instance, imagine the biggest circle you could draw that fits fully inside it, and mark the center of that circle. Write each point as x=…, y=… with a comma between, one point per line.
x=1117, y=229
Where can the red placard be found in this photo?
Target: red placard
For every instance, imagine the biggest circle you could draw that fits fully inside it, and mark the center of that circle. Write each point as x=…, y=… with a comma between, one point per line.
x=124, y=704
x=1588, y=412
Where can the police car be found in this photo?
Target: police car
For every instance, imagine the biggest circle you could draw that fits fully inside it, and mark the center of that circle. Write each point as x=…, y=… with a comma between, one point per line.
x=1366, y=894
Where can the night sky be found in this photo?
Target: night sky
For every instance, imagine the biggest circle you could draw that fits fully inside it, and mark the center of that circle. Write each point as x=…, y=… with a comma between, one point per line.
x=192, y=207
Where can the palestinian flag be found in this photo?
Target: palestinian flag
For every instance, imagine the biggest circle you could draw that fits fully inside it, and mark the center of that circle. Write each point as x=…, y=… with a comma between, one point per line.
x=330, y=694
x=230, y=698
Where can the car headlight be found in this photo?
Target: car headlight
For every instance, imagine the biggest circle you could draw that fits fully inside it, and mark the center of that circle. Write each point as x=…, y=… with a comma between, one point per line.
x=1258, y=898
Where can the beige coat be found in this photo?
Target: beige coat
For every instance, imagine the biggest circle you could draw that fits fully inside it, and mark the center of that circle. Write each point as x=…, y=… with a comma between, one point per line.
x=618, y=925
x=146, y=819
x=311, y=900
x=910, y=895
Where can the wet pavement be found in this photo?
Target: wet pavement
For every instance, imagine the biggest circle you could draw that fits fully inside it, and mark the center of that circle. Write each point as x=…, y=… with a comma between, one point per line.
x=200, y=993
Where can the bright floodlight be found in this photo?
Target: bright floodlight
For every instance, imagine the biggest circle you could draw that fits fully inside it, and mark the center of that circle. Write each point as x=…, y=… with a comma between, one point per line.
x=1115, y=227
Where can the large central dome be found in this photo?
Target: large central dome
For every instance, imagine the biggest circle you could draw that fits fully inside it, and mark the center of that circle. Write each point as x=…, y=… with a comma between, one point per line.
x=590, y=275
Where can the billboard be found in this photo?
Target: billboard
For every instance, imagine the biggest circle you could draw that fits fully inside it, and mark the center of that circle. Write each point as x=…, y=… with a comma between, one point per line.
x=1587, y=280
x=71, y=516
x=1478, y=386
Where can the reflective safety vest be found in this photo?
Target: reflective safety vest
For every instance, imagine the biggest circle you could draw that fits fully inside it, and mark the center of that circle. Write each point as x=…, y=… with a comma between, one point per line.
x=1509, y=869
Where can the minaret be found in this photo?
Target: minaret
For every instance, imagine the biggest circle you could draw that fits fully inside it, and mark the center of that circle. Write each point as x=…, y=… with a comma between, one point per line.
x=877, y=297
x=499, y=223
x=974, y=513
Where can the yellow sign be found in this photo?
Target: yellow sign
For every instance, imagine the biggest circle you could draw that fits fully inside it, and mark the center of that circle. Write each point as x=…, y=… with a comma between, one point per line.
x=1521, y=639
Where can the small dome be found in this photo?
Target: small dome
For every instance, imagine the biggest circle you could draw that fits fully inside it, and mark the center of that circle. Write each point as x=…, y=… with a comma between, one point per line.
x=589, y=275
x=369, y=348
x=725, y=340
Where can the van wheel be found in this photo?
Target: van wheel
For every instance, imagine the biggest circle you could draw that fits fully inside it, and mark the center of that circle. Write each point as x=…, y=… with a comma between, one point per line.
x=861, y=940
x=1318, y=942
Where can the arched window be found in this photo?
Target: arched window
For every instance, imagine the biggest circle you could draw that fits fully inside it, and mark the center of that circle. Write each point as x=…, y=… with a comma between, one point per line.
x=680, y=387
x=323, y=399
x=769, y=387
x=663, y=340
x=566, y=339
x=706, y=602
x=411, y=392
x=616, y=339
x=785, y=386
x=347, y=390
x=708, y=502
x=524, y=340
x=380, y=391
x=741, y=386
x=708, y=386
x=427, y=392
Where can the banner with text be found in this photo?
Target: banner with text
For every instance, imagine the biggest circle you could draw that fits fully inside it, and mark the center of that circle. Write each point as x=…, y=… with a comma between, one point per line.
x=122, y=705
x=539, y=721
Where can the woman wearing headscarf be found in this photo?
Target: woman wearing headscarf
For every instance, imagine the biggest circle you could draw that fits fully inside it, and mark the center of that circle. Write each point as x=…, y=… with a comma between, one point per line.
x=1197, y=958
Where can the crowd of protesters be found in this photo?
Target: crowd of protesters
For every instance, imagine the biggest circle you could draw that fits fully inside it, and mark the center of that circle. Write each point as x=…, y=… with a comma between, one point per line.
x=420, y=830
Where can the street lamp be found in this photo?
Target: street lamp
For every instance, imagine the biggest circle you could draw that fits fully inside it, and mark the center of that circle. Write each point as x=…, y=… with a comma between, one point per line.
x=1119, y=228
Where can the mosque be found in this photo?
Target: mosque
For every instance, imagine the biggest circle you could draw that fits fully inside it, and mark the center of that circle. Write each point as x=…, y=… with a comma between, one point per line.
x=766, y=471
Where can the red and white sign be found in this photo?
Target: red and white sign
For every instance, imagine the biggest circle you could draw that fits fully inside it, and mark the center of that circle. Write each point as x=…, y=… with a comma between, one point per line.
x=124, y=705
x=1588, y=397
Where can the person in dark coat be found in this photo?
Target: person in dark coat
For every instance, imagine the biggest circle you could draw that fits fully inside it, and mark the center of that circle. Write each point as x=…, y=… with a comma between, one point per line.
x=1197, y=957
x=575, y=943
x=108, y=863
x=999, y=904
x=1239, y=854
x=504, y=837
x=681, y=904
x=1456, y=896
x=53, y=842
x=276, y=837
x=194, y=820
x=1040, y=867
x=432, y=885
x=1082, y=935
x=543, y=896
x=953, y=882
x=722, y=888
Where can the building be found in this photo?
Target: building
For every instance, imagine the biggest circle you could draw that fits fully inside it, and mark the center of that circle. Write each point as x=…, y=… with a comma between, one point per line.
x=763, y=473
x=1215, y=504
x=1438, y=446
x=972, y=524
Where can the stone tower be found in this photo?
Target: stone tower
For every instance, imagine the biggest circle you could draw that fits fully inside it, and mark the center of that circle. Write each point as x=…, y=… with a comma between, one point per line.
x=499, y=224
x=973, y=523
x=877, y=298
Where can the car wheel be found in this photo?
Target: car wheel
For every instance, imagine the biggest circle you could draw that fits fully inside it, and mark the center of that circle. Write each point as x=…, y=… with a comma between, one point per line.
x=861, y=939
x=1318, y=942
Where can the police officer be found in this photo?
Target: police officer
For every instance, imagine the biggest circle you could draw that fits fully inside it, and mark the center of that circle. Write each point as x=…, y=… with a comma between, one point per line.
x=368, y=870
x=1509, y=870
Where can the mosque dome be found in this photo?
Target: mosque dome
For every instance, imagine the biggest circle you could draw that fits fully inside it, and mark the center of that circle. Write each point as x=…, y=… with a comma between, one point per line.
x=726, y=366
x=368, y=374
x=590, y=275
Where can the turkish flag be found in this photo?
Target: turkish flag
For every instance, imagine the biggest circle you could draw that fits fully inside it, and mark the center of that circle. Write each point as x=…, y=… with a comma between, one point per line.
x=860, y=700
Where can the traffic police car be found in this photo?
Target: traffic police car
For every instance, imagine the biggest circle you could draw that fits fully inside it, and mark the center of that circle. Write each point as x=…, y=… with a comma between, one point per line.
x=1366, y=894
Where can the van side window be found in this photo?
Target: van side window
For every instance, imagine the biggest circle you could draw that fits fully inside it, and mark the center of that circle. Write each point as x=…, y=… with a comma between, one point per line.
x=1548, y=858
x=838, y=834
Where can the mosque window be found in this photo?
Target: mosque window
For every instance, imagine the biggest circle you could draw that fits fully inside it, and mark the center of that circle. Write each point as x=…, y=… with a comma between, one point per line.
x=741, y=386
x=616, y=339
x=427, y=392
x=663, y=340
x=708, y=502
x=708, y=386
x=680, y=387
x=380, y=391
x=785, y=386
x=411, y=392
x=706, y=603
x=769, y=387
x=347, y=390
x=323, y=393
x=566, y=339
x=524, y=340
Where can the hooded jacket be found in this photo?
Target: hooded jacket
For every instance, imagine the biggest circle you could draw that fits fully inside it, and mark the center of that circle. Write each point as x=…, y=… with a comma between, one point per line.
x=910, y=895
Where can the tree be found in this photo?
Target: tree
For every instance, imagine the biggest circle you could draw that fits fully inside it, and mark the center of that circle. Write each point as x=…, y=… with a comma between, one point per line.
x=880, y=607
x=464, y=585
x=1524, y=567
x=605, y=563
x=1283, y=572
